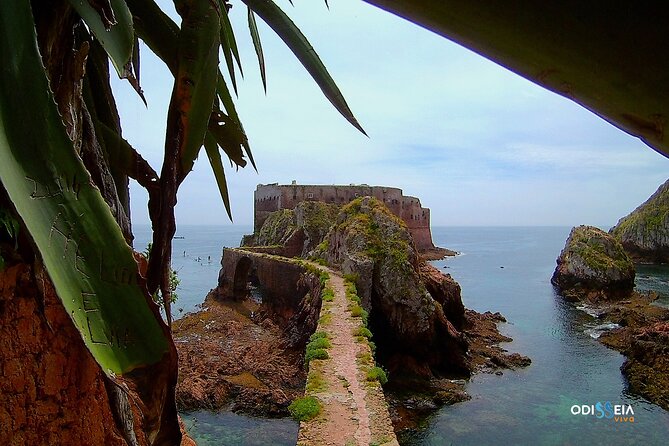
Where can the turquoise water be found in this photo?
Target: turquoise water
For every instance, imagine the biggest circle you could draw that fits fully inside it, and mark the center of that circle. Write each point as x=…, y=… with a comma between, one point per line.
x=532, y=406
x=525, y=407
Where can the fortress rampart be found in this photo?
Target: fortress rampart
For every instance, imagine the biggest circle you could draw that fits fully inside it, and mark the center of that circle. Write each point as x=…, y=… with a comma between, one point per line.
x=269, y=198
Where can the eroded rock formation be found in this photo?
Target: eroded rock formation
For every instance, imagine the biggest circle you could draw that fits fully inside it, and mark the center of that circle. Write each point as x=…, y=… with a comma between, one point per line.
x=644, y=233
x=593, y=265
x=415, y=328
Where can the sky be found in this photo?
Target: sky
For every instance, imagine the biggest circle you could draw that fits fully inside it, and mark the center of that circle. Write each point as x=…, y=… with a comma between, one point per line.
x=478, y=144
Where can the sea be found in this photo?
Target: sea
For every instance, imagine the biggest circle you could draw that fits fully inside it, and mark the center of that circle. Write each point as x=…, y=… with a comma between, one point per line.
x=505, y=269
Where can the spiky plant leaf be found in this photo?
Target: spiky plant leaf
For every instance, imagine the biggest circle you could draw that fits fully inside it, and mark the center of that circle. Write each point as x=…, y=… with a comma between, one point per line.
x=255, y=36
x=214, y=156
x=229, y=46
x=300, y=46
x=195, y=84
x=112, y=28
x=83, y=250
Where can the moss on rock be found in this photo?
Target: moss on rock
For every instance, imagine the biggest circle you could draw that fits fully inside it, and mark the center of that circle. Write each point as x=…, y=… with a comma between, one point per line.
x=644, y=233
x=593, y=261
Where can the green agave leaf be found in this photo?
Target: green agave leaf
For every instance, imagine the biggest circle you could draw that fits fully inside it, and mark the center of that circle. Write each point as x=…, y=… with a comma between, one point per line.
x=229, y=46
x=195, y=85
x=91, y=266
x=226, y=99
x=214, y=156
x=300, y=46
x=157, y=30
x=115, y=33
x=253, y=27
x=162, y=37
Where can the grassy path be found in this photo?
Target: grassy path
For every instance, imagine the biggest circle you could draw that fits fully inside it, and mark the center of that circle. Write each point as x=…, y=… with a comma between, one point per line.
x=354, y=410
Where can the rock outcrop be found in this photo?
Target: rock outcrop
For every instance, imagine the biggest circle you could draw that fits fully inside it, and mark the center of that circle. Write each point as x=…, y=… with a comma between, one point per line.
x=298, y=231
x=415, y=328
x=593, y=265
x=644, y=233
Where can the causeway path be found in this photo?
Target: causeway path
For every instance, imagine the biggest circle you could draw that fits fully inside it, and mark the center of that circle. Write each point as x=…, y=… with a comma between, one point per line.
x=354, y=410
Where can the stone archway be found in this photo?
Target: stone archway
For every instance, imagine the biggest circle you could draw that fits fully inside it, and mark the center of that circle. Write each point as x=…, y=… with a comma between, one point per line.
x=241, y=278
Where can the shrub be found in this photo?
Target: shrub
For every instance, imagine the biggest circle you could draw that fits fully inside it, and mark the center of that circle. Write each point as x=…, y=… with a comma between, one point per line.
x=327, y=295
x=318, y=335
x=363, y=332
x=377, y=374
x=316, y=353
x=304, y=409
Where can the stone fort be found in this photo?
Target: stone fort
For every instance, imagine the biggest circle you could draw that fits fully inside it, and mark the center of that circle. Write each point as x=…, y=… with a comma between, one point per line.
x=274, y=197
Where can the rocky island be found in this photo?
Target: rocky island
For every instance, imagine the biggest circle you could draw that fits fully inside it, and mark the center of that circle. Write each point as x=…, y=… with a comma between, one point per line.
x=420, y=333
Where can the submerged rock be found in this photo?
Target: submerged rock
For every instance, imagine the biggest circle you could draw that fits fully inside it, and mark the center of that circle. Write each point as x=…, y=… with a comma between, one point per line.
x=593, y=265
x=644, y=233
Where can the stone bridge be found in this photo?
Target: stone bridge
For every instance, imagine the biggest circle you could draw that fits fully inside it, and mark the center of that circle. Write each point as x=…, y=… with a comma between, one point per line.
x=278, y=278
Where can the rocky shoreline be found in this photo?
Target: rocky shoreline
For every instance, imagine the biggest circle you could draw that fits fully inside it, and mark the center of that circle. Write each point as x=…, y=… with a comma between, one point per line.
x=643, y=337
x=595, y=270
x=232, y=356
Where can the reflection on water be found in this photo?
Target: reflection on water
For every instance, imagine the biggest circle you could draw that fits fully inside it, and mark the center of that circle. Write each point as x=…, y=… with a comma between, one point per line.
x=230, y=429
x=532, y=406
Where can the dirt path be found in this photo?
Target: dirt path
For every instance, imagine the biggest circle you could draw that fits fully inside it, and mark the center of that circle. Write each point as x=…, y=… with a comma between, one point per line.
x=354, y=411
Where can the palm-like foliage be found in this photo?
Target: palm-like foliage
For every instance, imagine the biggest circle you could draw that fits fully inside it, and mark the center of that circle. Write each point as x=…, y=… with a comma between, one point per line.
x=65, y=164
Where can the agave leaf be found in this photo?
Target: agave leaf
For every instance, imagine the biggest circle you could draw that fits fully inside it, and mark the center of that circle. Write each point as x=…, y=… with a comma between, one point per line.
x=157, y=30
x=228, y=136
x=211, y=147
x=115, y=33
x=226, y=99
x=300, y=46
x=253, y=27
x=195, y=84
x=229, y=46
x=83, y=250
x=124, y=158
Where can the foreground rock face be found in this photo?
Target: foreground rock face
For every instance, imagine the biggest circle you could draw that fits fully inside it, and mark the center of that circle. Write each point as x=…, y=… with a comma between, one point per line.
x=52, y=391
x=416, y=332
x=593, y=265
x=644, y=233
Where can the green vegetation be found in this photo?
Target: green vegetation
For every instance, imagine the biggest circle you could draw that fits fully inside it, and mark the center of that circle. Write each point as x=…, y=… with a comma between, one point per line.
x=377, y=374
x=363, y=332
x=589, y=244
x=173, y=279
x=278, y=228
x=650, y=217
x=315, y=381
x=304, y=409
x=327, y=295
x=317, y=347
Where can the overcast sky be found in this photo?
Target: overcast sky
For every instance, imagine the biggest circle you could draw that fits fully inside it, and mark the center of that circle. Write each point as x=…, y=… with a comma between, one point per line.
x=476, y=143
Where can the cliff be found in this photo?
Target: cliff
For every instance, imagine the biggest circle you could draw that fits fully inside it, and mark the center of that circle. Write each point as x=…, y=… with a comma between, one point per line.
x=644, y=233
x=593, y=264
x=417, y=330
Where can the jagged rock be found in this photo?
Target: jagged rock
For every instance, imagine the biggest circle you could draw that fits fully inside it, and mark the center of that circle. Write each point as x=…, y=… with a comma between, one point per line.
x=298, y=231
x=644, y=233
x=411, y=326
x=593, y=264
